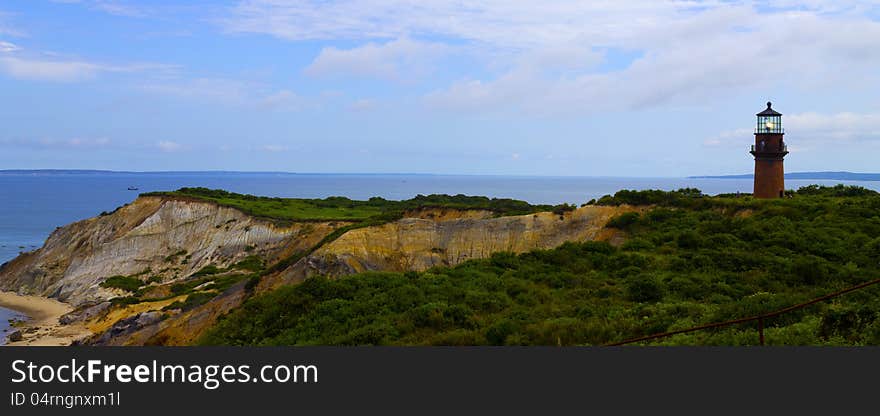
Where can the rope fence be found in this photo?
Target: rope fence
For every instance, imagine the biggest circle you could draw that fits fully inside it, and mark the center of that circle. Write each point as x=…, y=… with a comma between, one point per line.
x=759, y=318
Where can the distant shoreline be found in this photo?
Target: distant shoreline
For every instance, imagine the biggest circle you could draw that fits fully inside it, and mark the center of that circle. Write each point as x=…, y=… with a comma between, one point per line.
x=833, y=176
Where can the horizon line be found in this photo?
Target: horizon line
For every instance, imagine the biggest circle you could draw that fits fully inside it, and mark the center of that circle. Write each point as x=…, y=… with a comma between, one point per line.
x=99, y=171
x=7, y=171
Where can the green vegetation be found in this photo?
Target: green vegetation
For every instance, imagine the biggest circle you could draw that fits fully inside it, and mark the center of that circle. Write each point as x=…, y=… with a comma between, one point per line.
x=336, y=208
x=217, y=283
x=128, y=283
x=623, y=221
x=690, y=260
x=200, y=287
x=250, y=263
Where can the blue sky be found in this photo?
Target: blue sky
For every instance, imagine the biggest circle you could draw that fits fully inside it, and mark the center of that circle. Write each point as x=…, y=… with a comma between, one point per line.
x=634, y=88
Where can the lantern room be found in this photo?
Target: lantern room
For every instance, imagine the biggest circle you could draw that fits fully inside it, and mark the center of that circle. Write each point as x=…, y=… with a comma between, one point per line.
x=769, y=121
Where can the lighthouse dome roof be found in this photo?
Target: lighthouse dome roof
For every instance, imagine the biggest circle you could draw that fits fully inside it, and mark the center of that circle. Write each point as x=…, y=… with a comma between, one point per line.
x=769, y=111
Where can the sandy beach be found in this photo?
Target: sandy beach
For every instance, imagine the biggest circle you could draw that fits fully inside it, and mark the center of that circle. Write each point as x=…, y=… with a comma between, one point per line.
x=42, y=328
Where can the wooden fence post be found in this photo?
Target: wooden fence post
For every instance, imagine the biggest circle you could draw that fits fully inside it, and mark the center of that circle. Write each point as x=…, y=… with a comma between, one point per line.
x=761, y=330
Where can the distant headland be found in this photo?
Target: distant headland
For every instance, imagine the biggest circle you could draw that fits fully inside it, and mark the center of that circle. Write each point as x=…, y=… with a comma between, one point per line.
x=839, y=176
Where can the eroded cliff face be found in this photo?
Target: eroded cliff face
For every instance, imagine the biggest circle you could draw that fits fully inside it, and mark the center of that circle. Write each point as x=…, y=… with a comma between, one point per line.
x=170, y=239
x=164, y=238
x=444, y=238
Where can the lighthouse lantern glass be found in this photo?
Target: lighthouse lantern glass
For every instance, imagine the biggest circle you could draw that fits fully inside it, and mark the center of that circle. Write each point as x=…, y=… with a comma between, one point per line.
x=769, y=124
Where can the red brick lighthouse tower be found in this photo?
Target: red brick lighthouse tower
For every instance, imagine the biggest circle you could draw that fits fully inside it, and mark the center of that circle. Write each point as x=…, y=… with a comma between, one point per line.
x=769, y=150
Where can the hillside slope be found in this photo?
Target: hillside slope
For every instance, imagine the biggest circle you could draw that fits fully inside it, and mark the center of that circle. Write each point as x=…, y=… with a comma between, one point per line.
x=162, y=269
x=809, y=262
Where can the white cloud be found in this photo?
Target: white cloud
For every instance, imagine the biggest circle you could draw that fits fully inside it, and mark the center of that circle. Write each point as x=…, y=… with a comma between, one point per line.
x=169, y=146
x=7, y=47
x=227, y=91
x=697, y=64
x=559, y=59
x=65, y=70
x=114, y=7
x=730, y=138
x=520, y=23
x=687, y=51
x=391, y=60
x=840, y=126
x=119, y=9
x=811, y=130
x=36, y=69
x=56, y=67
x=507, y=22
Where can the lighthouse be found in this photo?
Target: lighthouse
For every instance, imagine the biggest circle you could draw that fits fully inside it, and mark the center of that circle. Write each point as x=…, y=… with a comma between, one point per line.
x=769, y=150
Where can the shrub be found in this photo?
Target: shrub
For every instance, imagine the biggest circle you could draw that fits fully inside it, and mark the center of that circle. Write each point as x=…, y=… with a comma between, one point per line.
x=810, y=270
x=252, y=282
x=208, y=270
x=498, y=333
x=848, y=322
x=128, y=283
x=504, y=260
x=563, y=208
x=680, y=197
x=872, y=249
x=251, y=263
x=431, y=315
x=125, y=300
x=637, y=244
x=623, y=221
x=644, y=288
x=688, y=240
x=839, y=190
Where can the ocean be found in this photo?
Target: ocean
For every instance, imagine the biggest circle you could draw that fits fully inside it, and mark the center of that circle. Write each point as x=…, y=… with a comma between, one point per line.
x=35, y=203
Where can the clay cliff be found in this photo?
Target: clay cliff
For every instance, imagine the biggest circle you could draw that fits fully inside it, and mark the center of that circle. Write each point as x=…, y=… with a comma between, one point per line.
x=444, y=237
x=162, y=238
x=167, y=242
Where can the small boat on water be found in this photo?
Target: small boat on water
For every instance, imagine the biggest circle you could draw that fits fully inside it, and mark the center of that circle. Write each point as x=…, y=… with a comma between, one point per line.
x=132, y=188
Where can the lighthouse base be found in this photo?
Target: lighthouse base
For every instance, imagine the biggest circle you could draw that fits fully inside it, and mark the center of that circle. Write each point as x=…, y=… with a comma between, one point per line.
x=769, y=178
